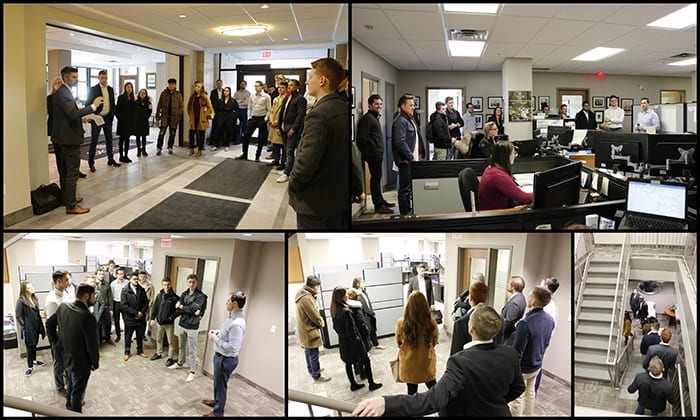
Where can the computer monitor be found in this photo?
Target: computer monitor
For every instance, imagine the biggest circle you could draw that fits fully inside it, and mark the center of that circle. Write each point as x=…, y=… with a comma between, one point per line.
x=559, y=135
x=619, y=152
x=657, y=198
x=673, y=154
x=500, y=137
x=557, y=187
x=527, y=148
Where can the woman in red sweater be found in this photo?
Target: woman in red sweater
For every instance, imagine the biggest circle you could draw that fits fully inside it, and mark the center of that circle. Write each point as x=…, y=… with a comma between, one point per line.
x=497, y=189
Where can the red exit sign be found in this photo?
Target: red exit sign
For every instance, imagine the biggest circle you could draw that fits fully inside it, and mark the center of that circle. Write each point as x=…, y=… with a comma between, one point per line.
x=266, y=53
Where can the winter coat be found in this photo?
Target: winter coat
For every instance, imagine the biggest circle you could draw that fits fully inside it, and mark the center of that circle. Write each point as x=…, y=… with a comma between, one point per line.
x=225, y=116
x=416, y=364
x=126, y=109
x=370, y=138
x=362, y=322
x=309, y=320
x=104, y=299
x=30, y=320
x=627, y=328
x=77, y=336
x=143, y=112
x=191, y=302
x=352, y=346
x=206, y=111
x=164, y=307
x=274, y=120
x=132, y=303
x=162, y=108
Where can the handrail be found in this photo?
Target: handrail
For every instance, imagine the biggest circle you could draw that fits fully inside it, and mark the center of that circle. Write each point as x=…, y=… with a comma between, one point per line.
x=617, y=289
x=36, y=407
x=620, y=373
x=582, y=283
x=680, y=388
x=622, y=277
x=312, y=399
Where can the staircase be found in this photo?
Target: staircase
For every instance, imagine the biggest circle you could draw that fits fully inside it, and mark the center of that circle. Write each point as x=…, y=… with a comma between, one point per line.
x=593, y=331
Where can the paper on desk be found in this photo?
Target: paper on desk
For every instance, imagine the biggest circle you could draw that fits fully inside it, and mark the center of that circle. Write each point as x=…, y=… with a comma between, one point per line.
x=604, y=186
x=579, y=135
x=97, y=118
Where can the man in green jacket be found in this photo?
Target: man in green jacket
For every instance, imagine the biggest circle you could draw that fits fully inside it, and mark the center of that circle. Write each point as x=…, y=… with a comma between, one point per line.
x=309, y=324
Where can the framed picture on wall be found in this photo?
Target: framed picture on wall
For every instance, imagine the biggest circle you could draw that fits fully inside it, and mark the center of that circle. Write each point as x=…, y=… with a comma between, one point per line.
x=352, y=96
x=542, y=101
x=477, y=102
x=479, y=120
x=672, y=96
x=599, y=117
x=416, y=100
x=495, y=101
x=626, y=104
x=598, y=102
x=150, y=80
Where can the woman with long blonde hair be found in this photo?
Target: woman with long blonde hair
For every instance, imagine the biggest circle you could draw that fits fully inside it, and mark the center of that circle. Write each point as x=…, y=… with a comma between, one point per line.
x=417, y=335
x=29, y=318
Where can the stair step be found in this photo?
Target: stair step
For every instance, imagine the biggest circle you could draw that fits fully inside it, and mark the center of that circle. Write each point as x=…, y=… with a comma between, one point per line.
x=591, y=342
x=592, y=372
x=603, y=270
x=598, y=280
x=597, y=303
x=597, y=328
x=599, y=292
x=595, y=316
x=590, y=356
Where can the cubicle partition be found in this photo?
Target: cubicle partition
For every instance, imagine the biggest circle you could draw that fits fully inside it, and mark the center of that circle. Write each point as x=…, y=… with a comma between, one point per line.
x=383, y=286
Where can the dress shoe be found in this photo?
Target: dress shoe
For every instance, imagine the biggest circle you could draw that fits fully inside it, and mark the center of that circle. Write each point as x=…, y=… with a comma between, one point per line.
x=210, y=403
x=156, y=356
x=138, y=154
x=126, y=357
x=111, y=342
x=77, y=210
x=159, y=152
x=321, y=379
x=144, y=355
x=92, y=168
x=170, y=150
x=78, y=199
x=280, y=167
x=82, y=175
x=383, y=210
x=242, y=157
x=389, y=204
x=214, y=149
x=144, y=153
x=191, y=152
x=114, y=163
x=257, y=159
x=198, y=154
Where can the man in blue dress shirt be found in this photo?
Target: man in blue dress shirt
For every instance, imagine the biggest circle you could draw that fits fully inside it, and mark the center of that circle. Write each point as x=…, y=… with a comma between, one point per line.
x=646, y=118
x=227, y=345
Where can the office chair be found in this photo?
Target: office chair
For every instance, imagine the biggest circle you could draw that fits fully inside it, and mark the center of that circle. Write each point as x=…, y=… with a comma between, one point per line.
x=468, y=182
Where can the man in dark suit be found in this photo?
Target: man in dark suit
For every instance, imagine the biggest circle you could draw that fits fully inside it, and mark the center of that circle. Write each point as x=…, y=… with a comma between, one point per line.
x=134, y=306
x=291, y=124
x=643, y=312
x=479, y=381
x=513, y=310
x=77, y=333
x=216, y=96
x=478, y=293
x=668, y=354
x=67, y=131
x=106, y=111
x=423, y=283
x=634, y=302
x=318, y=182
x=585, y=118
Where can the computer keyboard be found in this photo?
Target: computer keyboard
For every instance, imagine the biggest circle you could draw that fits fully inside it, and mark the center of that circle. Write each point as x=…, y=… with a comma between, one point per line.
x=638, y=222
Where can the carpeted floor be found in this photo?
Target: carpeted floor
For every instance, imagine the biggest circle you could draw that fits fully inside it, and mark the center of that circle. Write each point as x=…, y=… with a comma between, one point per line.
x=233, y=178
x=191, y=212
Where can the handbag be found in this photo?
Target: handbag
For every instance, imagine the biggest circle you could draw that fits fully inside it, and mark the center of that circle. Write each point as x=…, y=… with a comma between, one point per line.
x=46, y=198
x=437, y=315
x=394, y=364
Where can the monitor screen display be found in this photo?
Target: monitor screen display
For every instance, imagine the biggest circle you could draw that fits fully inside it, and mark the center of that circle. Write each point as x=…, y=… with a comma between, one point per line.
x=656, y=199
x=557, y=187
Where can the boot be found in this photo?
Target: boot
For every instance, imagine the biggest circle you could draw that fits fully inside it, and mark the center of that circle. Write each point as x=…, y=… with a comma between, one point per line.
x=354, y=386
x=368, y=371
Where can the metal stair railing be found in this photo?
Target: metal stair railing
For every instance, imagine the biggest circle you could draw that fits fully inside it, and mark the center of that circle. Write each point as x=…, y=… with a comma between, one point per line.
x=618, y=307
x=586, y=248
x=581, y=285
x=311, y=399
x=36, y=408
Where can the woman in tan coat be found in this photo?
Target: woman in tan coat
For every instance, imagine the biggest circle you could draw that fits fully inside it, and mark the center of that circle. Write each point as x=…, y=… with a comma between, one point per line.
x=200, y=111
x=417, y=335
x=278, y=152
x=627, y=326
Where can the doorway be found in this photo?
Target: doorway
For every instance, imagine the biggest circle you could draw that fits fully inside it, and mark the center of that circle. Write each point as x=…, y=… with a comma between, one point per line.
x=472, y=262
x=573, y=99
x=494, y=263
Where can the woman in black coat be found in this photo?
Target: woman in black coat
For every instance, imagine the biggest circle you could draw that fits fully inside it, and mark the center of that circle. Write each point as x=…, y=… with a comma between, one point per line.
x=142, y=112
x=362, y=323
x=497, y=117
x=28, y=316
x=352, y=346
x=125, y=111
x=225, y=120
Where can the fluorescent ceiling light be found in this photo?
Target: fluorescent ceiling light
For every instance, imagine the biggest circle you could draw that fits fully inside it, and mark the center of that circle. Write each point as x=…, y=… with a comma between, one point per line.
x=482, y=8
x=598, y=53
x=679, y=19
x=244, y=30
x=688, y=62
x=466, y=48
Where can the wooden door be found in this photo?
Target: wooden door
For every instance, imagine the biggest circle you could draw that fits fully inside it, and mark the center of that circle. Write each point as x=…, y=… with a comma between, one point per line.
x=180, y=268
x=472, y=261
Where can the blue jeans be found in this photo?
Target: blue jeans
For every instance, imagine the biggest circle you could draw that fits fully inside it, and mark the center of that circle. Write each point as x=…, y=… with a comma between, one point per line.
x=75, y=391
x=640, y=410
x=290, y=146
x=223, y=368
x=312, y=364
x=404, y=187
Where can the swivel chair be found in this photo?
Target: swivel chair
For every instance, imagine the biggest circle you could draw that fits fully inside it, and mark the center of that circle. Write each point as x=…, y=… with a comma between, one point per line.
x=468, y=182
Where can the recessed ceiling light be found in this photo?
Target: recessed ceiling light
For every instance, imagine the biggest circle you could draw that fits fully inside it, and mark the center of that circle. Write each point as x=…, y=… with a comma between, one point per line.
x=71, y=34
x=285, y=39
x=466, y=48
x=598, y=53
x=689, y=62
x=183, y=16
x=229, y=42
x=244, y=30
x=247, y=234
x=480, y=8
x=679, y=19
x=264, y=6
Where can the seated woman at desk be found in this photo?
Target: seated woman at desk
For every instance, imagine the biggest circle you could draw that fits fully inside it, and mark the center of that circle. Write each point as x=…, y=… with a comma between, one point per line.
x=486, y=144
x=497, y=189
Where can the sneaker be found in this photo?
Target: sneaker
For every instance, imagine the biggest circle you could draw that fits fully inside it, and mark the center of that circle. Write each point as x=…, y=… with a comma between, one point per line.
x=175, y=366
x=321, y=370
x=39, y=363
x=158, y=153
x=190, y=377
x=169, y=363
x=157, y=356
x=321, y=379
x=170, y=150
x=282, y=178
x=27, y=372
x=214, y=149
x=226, y=149
x=379, y=346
